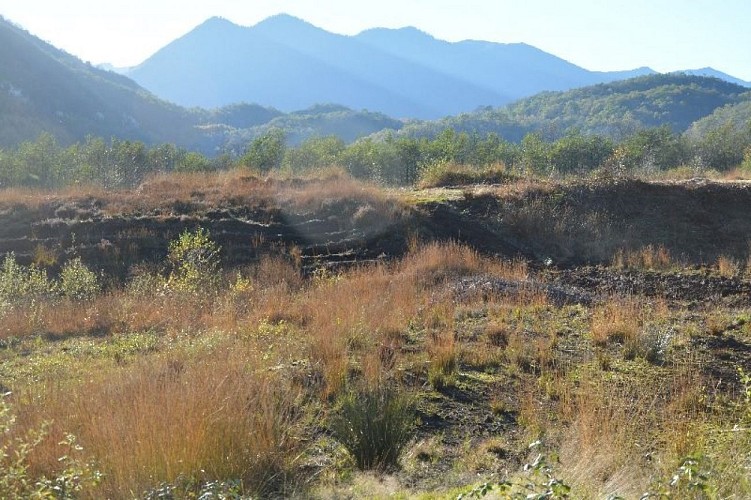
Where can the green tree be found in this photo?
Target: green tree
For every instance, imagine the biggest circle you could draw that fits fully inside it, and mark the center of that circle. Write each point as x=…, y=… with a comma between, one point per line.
x=654, y=149
x=165, y=157
x=362, y=159
x=723, y=147
x=535, y=154
x=37, y=161
x=266, y=152
x=576, y=152
x=314, y=153
x=193, y=162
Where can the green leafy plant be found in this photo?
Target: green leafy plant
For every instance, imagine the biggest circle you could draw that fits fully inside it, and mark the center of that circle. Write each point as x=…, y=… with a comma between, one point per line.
x=690, y=480
x=540, y=483
x=194, y=259
x=78, y=282
x=15, y=450
x=22, y=285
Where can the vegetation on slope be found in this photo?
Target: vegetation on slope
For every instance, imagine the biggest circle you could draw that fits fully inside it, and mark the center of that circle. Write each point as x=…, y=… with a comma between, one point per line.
x=615, y=109
x=43, y=89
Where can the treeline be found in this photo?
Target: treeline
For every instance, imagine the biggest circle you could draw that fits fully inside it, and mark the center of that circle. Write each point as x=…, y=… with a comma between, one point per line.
x=394, y=160
x=115, y=163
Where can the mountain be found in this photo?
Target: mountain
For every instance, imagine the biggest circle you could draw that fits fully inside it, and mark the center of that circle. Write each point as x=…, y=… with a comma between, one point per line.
x=717, y=74
x=613, y=109
x=43, y=89
x=515, y=69
x=289, y=64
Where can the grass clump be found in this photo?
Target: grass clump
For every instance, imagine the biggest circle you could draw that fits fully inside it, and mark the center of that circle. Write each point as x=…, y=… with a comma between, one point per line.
x=374, y=425
x=618, y=321
x=443, y=361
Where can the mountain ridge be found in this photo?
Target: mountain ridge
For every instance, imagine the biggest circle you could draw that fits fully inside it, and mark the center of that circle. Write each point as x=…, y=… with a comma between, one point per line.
x=402, y=72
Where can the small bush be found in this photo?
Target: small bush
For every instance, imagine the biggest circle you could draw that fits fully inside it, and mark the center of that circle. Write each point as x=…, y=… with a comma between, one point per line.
x=374, y=425
x=77, y=282
x=194, y=258
x=21, y=285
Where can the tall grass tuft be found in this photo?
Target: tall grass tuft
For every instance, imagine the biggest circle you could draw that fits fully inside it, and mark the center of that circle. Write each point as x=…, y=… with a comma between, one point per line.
x=374, y=425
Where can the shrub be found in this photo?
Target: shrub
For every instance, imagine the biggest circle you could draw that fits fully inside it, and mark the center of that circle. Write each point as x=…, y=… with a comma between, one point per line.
x=77, y=281
x=374, y=425
x=20, y=285
x=194, y=259
x=443, y=174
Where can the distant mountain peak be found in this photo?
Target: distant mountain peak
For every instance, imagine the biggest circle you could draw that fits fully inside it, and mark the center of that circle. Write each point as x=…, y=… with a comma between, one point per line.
x=715, y=73
x=282, y=21
x=406, y=31
x=216, y=22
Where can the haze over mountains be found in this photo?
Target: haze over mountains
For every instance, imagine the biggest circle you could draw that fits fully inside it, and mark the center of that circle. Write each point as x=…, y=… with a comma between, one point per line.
x=289, y=64
x=285, y=63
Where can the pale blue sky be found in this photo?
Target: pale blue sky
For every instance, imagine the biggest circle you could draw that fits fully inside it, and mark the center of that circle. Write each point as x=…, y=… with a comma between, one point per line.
x=666, y=35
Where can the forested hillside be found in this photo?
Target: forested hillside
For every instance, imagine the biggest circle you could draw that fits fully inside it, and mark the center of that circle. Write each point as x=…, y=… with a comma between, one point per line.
x=43, y=89
x=614, y=109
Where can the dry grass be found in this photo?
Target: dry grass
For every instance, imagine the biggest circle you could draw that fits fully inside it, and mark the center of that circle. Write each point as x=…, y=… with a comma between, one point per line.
x=452, y=174
x=619, y=320
x=352, y=314
x=237, y=186
x=34, y=198
x=625, y=428
x=168, y=417
x=648, y=257
x=444, y=360
x=236, y=378
x=728, y=267
x=436, y=262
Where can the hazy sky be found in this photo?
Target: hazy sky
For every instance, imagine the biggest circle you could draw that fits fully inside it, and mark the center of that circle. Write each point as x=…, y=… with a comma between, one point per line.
x=666, y=35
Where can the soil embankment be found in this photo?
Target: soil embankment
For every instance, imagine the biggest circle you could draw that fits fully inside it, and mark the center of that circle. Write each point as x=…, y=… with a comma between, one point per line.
x=564, y=225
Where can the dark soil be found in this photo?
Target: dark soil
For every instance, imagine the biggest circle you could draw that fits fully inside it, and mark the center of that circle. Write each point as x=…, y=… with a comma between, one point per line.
x=567, y=225
x=692, y=286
